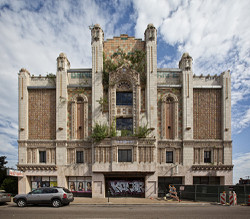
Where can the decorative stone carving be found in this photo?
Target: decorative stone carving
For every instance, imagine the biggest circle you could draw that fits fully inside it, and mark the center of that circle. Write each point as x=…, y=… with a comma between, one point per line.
x=212, y=167
x=27, y=167
x=124, y=79
x=97, y=33
x=186, y=62
x=150, y=33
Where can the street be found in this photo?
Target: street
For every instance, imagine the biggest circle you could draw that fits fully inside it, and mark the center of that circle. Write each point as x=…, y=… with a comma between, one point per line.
x=124, y=211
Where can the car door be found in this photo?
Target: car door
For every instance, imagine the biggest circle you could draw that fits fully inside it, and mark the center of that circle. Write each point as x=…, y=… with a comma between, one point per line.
x=47, y=195
x=34, y=197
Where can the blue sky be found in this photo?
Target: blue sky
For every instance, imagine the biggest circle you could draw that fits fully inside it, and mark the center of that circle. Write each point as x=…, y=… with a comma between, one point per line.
x=215, y=33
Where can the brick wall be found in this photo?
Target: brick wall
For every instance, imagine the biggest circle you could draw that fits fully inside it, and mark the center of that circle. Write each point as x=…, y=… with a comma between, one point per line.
x=42, y=114
x=207, y=113
x=124, y=42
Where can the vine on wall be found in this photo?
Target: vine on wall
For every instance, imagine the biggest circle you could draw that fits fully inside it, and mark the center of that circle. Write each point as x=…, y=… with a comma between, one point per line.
x=135, y=60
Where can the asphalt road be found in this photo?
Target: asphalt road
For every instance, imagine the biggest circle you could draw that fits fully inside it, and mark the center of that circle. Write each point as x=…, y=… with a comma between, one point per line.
x=128, y=211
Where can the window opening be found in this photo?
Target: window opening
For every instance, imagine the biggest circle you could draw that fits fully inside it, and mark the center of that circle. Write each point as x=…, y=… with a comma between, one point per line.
x=169, y=156
x=125, y=155
x=124, y=98
x=79, y=157
x=42, y=156
x=207, y=156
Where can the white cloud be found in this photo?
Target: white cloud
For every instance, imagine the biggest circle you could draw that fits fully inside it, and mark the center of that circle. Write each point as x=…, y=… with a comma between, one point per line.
x=241, y=119
x=34, y=33
x=241, y=166
x=151, y=11
x=215, y=33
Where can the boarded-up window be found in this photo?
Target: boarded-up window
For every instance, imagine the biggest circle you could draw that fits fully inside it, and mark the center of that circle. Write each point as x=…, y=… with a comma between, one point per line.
x=80, y=118
x=170, y=126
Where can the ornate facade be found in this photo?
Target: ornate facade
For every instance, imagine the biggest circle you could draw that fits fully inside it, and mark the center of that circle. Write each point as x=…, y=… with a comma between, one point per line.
x=187, y=120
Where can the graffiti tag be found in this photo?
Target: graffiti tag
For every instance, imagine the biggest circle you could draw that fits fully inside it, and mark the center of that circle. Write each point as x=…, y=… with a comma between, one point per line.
x=126, y=187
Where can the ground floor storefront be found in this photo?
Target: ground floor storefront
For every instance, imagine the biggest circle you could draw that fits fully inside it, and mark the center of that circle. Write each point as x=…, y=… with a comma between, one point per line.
x=83, y=183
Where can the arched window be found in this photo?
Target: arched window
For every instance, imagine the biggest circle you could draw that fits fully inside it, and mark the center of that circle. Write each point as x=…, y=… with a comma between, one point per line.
x=124, y=98
x=79, y=117
x=169, y=117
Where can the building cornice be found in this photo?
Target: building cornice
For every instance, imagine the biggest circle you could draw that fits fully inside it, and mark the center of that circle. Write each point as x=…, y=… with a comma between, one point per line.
x=211, y=167
x=26, y=167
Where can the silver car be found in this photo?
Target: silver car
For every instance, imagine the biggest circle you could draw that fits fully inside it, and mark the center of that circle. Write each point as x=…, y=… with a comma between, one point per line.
x=4, y=196
x=57, y=196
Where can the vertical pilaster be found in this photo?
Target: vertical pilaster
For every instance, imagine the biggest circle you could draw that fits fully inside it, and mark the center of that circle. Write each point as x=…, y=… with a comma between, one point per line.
x=63, y=65
x=23, y=113
x=187, y=106
x=187, y=96
x=225, y=79
x=23, y=82
x=226, y=105
x=97, y=69
x=151, y=87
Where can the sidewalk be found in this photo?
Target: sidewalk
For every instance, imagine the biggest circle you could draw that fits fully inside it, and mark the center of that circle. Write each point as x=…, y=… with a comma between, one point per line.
x=132, y=201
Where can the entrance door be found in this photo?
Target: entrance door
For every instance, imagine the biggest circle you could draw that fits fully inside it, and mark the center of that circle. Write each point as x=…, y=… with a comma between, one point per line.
x=125, y=187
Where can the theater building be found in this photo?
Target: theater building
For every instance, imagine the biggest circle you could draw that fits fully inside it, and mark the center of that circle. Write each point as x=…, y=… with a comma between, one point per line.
x=165, y=125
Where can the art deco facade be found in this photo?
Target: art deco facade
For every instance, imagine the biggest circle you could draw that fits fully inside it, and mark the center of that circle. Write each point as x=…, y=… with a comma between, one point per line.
x=189, y=118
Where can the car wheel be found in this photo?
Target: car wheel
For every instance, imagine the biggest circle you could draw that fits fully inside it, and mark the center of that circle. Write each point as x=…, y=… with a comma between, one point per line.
x=56, y=203
x=21, y=203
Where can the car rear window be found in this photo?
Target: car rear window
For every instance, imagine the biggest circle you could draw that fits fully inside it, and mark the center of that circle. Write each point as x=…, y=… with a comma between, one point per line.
x=66, y=190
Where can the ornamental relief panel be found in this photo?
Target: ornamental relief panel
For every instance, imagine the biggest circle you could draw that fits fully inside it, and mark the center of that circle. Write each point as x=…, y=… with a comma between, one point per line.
x=124, y=79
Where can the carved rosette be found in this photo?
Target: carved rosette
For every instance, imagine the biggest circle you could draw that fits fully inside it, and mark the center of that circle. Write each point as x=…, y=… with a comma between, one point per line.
x=124, y=79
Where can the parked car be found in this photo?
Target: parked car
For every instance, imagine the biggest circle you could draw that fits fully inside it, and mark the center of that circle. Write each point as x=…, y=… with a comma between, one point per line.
x=4, y=196
x=57, y=196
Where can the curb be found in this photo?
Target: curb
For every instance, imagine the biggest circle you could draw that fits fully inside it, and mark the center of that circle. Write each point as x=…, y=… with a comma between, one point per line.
x=141, y=204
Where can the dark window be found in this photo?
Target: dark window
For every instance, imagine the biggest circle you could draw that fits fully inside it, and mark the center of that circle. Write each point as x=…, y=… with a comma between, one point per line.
x=124, y=155
x=207, y=156
x=42, y=156
x=37, y=191
x=169, y=157
x=124, y=124
x=124, y=98
x=48, y=190
x=79, y=157
x=206, y=180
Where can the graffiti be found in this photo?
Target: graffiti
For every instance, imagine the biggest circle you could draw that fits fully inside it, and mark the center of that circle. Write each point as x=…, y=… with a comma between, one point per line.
x=126, y=187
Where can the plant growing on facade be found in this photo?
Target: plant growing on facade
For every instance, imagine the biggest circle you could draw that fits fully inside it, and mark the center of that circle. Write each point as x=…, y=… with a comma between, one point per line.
x=52, y=78
x=112, y=132
x=103, y=102
x=135, y=60
x=143, y=131
x=100, y=131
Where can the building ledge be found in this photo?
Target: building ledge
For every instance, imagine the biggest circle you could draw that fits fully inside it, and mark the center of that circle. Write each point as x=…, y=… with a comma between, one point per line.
x=25, y=167
x=212, y=167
